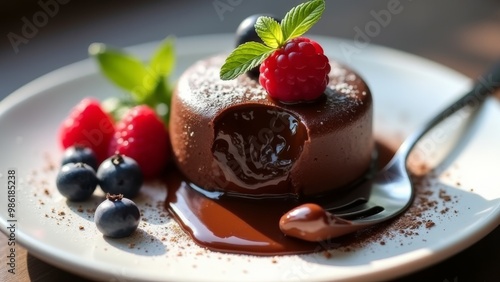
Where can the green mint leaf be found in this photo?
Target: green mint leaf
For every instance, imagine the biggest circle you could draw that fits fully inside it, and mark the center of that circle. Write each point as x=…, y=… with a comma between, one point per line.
x=124, y=70
x=161, y=99
x=244, y=58
x=301, y=18
x=163, y=60
x=269, y=30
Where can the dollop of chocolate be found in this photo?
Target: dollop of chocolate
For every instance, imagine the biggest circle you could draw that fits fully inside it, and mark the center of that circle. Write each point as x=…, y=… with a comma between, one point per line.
x=311, y=222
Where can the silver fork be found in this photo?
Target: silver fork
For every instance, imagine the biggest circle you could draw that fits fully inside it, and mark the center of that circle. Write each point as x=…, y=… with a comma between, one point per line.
x=389, y=193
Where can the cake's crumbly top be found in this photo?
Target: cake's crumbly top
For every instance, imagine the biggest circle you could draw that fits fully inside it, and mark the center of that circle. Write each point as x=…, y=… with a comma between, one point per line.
x=203, y=91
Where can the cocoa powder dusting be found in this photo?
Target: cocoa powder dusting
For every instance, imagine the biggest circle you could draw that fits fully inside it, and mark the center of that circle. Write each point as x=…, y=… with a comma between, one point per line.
x=429, y=204
x=432, y=202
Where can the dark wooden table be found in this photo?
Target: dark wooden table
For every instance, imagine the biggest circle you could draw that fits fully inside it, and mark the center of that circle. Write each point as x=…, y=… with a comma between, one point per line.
x=461, y=34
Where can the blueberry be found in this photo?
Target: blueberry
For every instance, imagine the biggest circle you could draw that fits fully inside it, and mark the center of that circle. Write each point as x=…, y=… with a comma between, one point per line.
x=79, y=154
x=117, y=217
x=76, y=181
x=120, y=174
x=246, y=30
x=246, y=33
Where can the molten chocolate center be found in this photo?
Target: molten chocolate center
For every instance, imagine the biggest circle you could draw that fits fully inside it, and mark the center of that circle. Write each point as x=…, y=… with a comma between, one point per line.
x=256, y=159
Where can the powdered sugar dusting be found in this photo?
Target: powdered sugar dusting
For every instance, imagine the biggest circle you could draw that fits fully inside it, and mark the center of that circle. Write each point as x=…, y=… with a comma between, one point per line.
x=202, y=89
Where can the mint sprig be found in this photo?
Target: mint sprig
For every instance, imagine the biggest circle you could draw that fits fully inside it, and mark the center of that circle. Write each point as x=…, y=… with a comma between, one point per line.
x=274, y=35
x=124, y=70
x=145, y=83
x=301, y=18
x=269, y=30
x=163, y=59
x=246, y=56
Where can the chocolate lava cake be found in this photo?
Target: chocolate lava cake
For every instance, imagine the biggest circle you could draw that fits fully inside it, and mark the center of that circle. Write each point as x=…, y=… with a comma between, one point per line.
x=230, y=137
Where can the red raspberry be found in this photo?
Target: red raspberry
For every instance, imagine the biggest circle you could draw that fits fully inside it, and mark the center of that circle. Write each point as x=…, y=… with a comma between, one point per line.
x=142, y=136
x=88, y=125
x=296, y=72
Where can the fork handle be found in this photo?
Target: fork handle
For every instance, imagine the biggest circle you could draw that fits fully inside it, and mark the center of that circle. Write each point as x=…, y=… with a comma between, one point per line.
x=484, y=86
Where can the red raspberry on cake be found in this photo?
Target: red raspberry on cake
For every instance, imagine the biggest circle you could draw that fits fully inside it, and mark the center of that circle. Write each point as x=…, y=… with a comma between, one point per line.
x=142, y=136
x=293, y=69
x=296, y=72
x=88, y=125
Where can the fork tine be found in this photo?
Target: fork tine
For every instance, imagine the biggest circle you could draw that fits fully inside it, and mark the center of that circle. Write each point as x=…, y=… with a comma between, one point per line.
x=334, y=208
x=346, y=198
x=358, y=212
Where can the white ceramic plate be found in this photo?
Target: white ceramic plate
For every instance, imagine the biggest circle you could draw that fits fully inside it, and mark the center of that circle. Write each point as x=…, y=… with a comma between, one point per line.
x=407, y=90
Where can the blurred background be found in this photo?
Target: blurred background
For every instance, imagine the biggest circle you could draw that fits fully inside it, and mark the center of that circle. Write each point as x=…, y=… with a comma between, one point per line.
x=39, y=36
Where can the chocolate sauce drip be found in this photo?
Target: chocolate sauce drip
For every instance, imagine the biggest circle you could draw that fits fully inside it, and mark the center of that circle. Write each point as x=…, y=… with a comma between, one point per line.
x=232, y=224
x=240, y=225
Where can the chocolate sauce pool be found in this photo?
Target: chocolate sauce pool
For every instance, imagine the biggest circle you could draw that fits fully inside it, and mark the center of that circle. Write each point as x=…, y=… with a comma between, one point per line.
x=238, y=225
